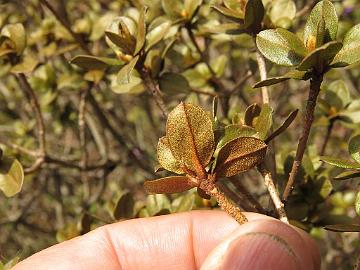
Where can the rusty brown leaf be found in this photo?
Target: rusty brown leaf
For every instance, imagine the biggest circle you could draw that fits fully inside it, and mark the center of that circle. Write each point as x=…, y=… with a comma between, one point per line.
x=166, y=158
x=171, y=184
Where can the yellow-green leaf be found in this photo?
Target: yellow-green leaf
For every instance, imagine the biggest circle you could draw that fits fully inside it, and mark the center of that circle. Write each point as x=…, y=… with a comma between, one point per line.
x=166, y=158
x=189, y=131
x=354, y=148
x=240, y=155
x=141, y=31
x=89, y=62
x=171, y=184
x=11, y=176
x=16, y=33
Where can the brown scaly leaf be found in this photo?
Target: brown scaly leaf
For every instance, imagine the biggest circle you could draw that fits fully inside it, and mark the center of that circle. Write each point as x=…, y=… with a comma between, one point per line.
x=166, y=158
x=239, y=155
x=171, y=184
x=191, y=138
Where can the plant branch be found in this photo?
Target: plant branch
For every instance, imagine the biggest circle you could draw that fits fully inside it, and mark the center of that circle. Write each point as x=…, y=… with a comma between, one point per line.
x=327, y=136
x=274, y=194
x=67, y=25
x=263, y=75
x=211, y=189
x=315, y=84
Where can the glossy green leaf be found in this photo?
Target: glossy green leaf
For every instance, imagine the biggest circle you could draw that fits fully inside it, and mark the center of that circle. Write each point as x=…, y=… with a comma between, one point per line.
x=124, y=207
x=170, y=184
x=350, y=52
x=347, y=175
x=289, y=119
x=281, y=47
x=340, y=162
x=292, y=74
x=251, y=113
x=11, y=176
x=239, y=155
x=127, y=45
x=173, y=8
x=141, y=31
x=263, y=122
x=343, y=228
x=173, y=83
x=189, y=130
x=16, y=33
x=323, y=10
x=319, y=56
x=357, y=203
x=93, y=62
x=354, y=148
x=337, y=95
x=166, y=158
x=124, y=75
x=156, y=35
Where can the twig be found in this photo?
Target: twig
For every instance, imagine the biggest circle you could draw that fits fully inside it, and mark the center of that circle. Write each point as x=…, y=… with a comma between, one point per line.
x=211, y=189
x=67, y=25
x=327, y=136
x=274, y=194
x=199, y=91
x=305, y=9
x=315, y=84
x=243, y=191
x=18, y=148
x=263, y=75
x=154, y=89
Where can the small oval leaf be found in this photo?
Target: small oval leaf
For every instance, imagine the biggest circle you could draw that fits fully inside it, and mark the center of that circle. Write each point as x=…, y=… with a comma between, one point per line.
x=240, y=155
x=11, y=176
x=89, y=62
x=341, y=163
x=171, y=184
x=124, y=207
x=354, y=148
x=343, y=228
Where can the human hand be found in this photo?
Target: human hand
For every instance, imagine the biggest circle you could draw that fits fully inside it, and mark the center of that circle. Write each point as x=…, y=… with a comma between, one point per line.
x=198, y=239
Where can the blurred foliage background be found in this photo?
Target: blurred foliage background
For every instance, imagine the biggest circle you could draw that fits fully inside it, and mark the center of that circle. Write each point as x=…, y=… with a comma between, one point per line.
x=84, y=119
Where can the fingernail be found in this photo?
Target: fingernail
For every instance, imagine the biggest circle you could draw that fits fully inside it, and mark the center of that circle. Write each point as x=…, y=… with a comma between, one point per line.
x=258, y=251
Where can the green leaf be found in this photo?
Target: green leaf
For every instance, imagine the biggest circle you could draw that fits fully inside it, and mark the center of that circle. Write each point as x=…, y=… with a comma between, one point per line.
x=319, y=56
x=191, y=6
x=239, y=155
x=186, y=203
x=27, y=65
x=141, y=31
x=157, y=203
x=251, y=113
x=281, y=47
x=289, y=119
x=292, y=74
x=323, y=10
x=16, y=33
x=350, y=52
x=282, y=10
x=170, y=184
x=337, y=95
x=263, y=122
x=173, y=83
x=127, y=45
x=89, y=62
x=343, y=228
x=124, y=75
x=347, y=175
x=166, y=158
x=354, y=148
x=340, y=162
x=357, y=203
x=11, y=176
x=254, y=14
x=156, y=35
x=234, y=15
x=124, y=207
x=238, y=5
x=189, y=130
x=173, y=8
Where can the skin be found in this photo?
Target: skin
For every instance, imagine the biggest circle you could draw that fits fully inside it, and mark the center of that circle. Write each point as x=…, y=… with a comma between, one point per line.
x=192, y=240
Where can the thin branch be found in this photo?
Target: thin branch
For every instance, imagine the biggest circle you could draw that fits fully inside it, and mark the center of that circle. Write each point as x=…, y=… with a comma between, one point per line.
x=274, y=194
x=244, y=192
x=67, y=25
x=315, y=84
x=154, y=89
x=305, y=9
x=263, y=75
x=202, y=92
x=327, y=136
x=19, y=148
